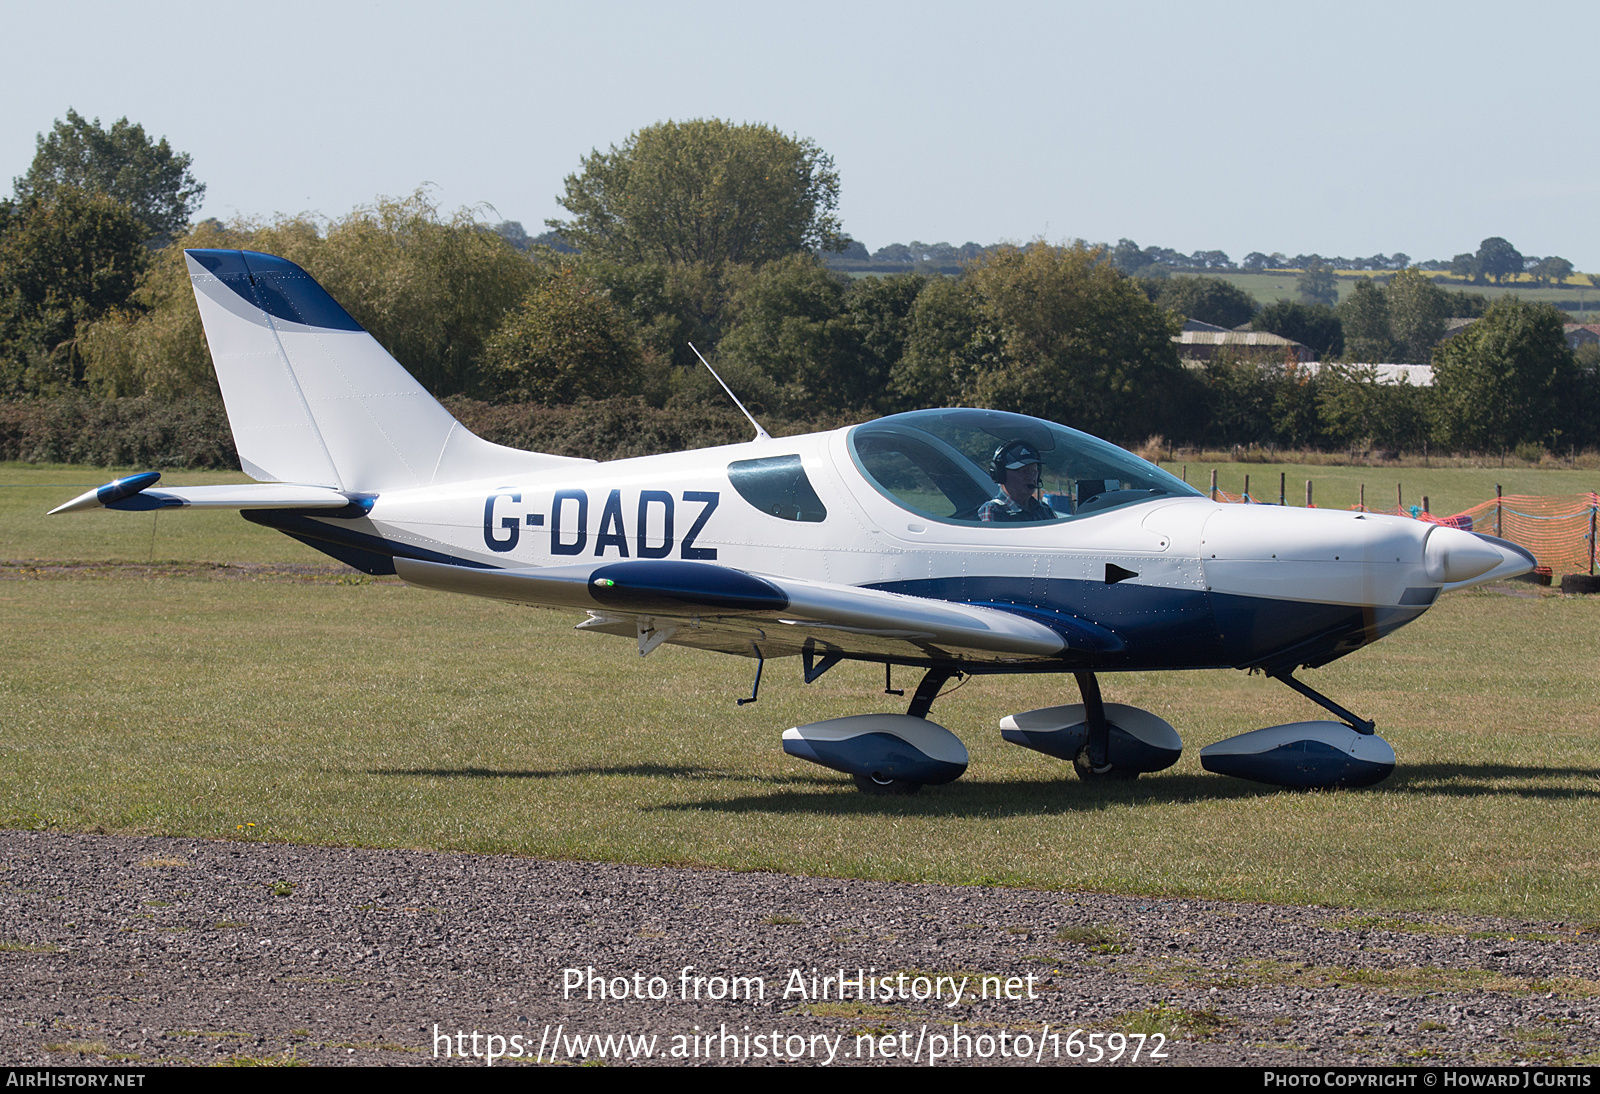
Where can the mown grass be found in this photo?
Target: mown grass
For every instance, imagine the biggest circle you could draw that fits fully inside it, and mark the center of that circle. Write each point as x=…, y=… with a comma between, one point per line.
x=376, y=715
x=384, y=716
x=29, y=491
x=1271, y=286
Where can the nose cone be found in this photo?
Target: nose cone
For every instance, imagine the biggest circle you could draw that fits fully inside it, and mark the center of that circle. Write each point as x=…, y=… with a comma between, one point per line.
x=1456, y=559
x=1453, y=555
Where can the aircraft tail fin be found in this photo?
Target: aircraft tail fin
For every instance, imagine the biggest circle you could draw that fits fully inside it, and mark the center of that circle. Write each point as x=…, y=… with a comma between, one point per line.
x=314, y=399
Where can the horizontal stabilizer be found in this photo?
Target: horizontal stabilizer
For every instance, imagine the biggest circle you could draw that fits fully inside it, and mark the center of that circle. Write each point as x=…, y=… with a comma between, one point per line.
x=266, y=495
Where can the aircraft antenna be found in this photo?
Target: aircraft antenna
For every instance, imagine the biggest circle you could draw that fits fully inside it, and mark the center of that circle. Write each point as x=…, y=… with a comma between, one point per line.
x=761, y=434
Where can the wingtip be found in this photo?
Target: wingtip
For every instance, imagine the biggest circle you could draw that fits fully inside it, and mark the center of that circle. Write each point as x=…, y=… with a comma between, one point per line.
x=115, y=490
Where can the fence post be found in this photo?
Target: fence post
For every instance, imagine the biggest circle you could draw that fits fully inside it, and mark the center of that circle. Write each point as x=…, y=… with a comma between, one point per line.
x=1399, y=504
x=1362, y=505
x=1425, y=508
x=1281, y=478
x=1247, y=488
x=1213, y=484
x=1308, y=493
x=1497, y=532
x=1593, y=499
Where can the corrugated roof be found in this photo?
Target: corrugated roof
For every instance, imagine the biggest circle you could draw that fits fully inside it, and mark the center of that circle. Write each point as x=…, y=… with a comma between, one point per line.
x=1231, y=338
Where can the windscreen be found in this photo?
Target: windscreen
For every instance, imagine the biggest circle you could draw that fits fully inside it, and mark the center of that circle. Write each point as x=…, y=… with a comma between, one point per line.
x=941, y=464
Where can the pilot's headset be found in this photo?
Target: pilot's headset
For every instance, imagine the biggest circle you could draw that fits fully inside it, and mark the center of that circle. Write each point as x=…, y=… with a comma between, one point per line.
x=1011, y=456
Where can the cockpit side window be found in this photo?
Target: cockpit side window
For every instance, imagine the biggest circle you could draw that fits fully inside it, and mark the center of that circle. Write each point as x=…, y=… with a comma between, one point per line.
x=777, y=485
x=922, y=473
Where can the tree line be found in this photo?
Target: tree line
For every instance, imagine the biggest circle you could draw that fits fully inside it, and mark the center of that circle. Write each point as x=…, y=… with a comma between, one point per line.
x=1495, y=259
x=715, y=235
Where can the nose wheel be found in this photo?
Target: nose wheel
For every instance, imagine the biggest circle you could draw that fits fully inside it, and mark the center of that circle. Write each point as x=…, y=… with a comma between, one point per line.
x=1090, y=772
x=886, y=788
x=1093, y=761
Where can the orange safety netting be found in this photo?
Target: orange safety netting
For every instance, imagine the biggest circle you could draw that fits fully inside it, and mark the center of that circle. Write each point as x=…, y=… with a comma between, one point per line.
x=1558, y=529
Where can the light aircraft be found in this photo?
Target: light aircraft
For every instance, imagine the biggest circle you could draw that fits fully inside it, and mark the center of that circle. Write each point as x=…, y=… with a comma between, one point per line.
x=899, y=541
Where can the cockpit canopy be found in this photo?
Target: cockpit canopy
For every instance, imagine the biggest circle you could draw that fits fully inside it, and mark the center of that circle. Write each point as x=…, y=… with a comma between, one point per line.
x=939, y=464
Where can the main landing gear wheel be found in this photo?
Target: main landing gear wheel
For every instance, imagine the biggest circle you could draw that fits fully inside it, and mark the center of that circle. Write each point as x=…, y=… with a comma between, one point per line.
x=1089, y=773
x=872, y=784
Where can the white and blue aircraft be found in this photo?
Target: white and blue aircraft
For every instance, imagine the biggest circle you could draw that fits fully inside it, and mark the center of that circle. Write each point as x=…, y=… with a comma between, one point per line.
x=916, y=540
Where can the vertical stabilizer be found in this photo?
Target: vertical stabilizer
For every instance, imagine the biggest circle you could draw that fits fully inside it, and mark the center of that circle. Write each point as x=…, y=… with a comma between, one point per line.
x=313, y=398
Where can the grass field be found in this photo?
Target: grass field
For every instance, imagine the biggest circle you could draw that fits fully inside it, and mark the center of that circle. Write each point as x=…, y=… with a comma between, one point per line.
x=29, y=491
x=1283, y=285
x=347, y=711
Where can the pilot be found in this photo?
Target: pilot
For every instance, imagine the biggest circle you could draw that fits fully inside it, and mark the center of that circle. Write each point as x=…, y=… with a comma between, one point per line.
x=1018, y=469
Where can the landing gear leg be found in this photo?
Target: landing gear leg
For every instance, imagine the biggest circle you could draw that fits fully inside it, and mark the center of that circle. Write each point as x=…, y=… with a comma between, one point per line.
x=1093, y=761
x=928, y=690
x=1360, y=725
x=921, y=703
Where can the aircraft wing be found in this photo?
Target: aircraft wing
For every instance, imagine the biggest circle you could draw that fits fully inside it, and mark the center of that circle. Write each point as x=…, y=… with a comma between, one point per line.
x=733, y=611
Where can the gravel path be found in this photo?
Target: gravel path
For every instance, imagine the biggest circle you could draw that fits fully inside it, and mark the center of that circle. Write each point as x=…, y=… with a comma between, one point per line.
x=153, y=950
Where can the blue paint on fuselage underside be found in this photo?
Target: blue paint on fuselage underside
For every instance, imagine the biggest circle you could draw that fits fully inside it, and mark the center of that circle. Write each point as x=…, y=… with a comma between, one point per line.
x=1164, y=628
x=366, y=552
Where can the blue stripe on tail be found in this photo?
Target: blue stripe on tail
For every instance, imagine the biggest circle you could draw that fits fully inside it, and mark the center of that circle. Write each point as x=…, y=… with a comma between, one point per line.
x=276, y=286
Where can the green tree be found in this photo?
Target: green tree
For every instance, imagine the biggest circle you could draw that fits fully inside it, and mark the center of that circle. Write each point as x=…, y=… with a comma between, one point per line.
x=65, y=260
x=1355, y=408
x=1552, y=269
x=1417, y=311
x=431, y=290
x=947, y=344
x=155, y=345
x=565, y=342
x=671, y=306
x=1365, y=318
x=1314, y=325
x=881, y=311
x=818, y=341
x=1317, y=284
x=147, y=176
x=1208, y=299
x=1239, y=392
x=791, y=323
x=1462, y=304
x=703, y=191
x=1501, y=382
x=1498, y=259
x=1295, y=420
x=1076, y=341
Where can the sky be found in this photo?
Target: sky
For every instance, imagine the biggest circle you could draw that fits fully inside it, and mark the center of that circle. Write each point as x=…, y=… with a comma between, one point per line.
x=1342, y=129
